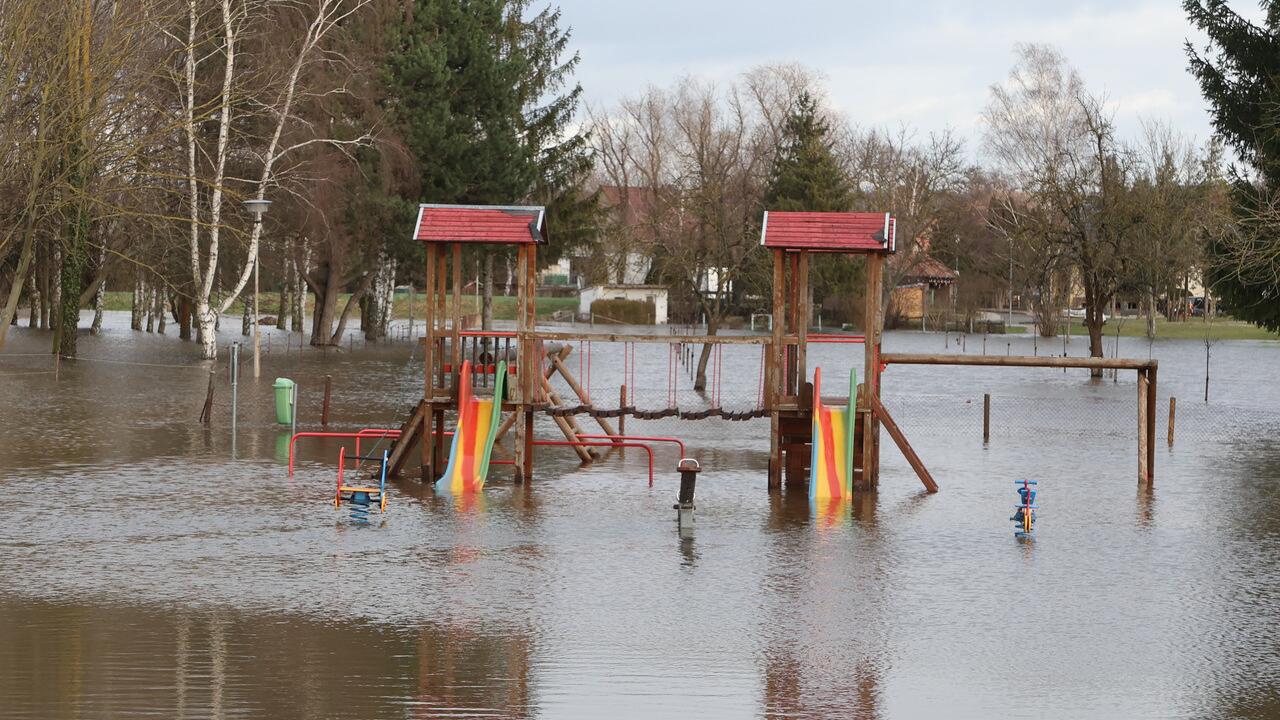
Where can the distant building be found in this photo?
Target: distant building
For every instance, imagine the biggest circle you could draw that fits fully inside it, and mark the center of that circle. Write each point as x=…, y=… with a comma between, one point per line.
x=928, y=283
x=654, y=295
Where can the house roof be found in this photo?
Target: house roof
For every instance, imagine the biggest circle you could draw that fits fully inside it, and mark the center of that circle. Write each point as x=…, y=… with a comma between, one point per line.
x=501, y=224
x=842, y=232
x=926, y=268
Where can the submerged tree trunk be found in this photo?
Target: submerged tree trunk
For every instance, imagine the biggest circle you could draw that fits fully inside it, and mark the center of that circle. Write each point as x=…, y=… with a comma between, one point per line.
x=700, y=379
x=184, y=317
x=1093, y=311
x=161, y=314
x=135, y=319
x=378, y=302
x=486, y=308
x=10, y=312
x=33, y=300
x=100, y=295
x=356, y=296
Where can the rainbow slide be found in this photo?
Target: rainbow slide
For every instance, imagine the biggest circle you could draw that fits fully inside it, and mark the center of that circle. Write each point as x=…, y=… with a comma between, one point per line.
x=474, y=436
x=831, y=466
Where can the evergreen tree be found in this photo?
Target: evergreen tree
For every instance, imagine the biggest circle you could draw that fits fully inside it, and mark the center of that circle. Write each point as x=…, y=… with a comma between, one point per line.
x=1239, y=74
x=807, y=177
x=806, y=174
x=483, y=100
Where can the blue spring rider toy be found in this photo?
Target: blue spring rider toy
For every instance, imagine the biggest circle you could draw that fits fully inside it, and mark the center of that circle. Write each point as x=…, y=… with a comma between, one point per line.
x=1024, y=514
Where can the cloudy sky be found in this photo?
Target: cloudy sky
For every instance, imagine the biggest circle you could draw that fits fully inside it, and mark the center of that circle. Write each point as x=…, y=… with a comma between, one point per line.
x=926, y=63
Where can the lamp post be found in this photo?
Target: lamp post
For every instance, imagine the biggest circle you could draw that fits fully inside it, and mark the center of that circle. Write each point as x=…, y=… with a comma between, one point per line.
x=256, y=207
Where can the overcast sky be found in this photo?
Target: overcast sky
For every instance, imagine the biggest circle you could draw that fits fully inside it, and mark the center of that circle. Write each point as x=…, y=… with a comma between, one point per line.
x=925, y=63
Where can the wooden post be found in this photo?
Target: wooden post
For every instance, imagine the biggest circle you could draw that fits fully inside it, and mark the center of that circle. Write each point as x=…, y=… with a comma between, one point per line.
x=986, y=418
x=1144, y=420
x=773, y=371
x=324, y=411
x=1173, y=405
x=206, y=413
x=871, y=370
x=803, y=313
x=568, y=426
x=429, y=358
x=1151, y=426
x=455, y=336
x=622, y=403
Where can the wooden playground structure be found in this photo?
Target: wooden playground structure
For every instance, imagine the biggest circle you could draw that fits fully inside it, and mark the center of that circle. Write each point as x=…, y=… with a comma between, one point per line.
x=792, y=238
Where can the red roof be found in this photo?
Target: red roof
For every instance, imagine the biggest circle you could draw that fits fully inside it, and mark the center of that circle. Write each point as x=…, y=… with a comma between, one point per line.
x=481, y=224
x=844, y=232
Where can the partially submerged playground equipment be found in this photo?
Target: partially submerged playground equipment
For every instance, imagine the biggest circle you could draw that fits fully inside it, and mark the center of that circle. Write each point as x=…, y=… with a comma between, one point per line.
x=833, y=444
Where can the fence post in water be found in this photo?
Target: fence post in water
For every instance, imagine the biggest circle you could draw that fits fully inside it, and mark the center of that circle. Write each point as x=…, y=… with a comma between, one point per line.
x=622, y=403
x=986, y=418
x=206, y=413
x=1173, y=404
x=324, y=411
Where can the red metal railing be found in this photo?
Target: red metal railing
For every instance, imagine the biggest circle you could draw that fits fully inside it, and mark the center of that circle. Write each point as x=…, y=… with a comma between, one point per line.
x=566, y=443
x=644, y=438
x=829, y=338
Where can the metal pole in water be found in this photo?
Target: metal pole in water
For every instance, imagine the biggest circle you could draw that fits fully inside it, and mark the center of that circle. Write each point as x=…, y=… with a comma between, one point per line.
x=235, y=399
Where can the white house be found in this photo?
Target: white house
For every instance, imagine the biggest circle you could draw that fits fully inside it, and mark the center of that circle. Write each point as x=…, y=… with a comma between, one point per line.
x=655, y=294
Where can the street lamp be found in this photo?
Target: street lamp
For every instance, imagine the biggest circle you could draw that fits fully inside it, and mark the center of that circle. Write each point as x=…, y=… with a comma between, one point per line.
x=256, y=207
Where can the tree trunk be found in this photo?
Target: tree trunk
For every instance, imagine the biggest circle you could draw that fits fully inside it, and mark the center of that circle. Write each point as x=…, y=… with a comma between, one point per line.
x=245, y=323
x=700, y=380
x=149, y=298
x=100, y=295
x=135, y=310
x=356, y=296
x=300, y=287
x=1150, y=302
x=33, y=300
x=161, y=314
x=486, y=308
x=1093, y=322
x=10, y=312
x=326, y=306
x=283, y=302
x=184, y=318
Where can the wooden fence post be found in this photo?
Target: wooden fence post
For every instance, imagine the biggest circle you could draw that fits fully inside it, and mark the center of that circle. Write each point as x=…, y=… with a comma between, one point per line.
x=986, y=418
x=1173, y=405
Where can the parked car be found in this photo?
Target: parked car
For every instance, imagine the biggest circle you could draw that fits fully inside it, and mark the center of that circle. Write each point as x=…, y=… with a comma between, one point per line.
x=1079, y=314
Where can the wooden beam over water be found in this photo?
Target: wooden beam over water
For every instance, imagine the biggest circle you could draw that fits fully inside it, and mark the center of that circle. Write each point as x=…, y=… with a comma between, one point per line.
x=1018, y=361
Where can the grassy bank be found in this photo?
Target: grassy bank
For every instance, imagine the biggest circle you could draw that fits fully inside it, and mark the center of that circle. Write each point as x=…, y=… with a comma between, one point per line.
x=1194, y=329
x=504, y=308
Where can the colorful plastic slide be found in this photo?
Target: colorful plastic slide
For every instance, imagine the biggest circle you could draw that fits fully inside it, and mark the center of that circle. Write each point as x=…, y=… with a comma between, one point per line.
x=473, y=438
x=831, y=466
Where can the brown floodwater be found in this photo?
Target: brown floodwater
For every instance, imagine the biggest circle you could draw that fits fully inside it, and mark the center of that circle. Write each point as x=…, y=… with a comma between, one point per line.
x=147, y=571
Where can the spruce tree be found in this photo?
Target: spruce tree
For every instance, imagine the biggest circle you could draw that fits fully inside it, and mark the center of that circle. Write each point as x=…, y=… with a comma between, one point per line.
x=1239, y=74
x=484, y=101
x=806, y=174
x=807, y=177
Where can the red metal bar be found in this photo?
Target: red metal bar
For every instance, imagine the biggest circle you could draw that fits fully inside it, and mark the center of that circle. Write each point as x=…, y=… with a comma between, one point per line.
x=828, y=338
x=567, y=443
x=357, y=435
x=645, y=438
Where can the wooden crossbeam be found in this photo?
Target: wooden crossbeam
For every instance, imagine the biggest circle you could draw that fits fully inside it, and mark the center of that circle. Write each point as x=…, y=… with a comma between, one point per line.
x=903, y=445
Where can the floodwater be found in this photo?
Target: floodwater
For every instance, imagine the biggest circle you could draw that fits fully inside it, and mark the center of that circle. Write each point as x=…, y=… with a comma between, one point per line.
x=146, y=571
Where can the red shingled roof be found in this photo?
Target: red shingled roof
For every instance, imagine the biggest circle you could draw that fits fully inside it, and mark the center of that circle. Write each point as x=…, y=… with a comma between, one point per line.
x=845, y=232
x=480, y=224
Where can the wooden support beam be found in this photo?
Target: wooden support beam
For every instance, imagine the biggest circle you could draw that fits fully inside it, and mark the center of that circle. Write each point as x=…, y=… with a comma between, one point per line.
x=1173, y=406
x=903, y=445
x=557, y=363
x=568, y=426
x=773, y=372
x=551, y=336
x=1016, y=361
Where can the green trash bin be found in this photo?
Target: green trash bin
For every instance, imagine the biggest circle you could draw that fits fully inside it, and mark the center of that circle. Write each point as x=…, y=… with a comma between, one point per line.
x=284, y=401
